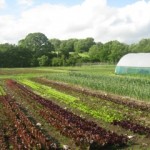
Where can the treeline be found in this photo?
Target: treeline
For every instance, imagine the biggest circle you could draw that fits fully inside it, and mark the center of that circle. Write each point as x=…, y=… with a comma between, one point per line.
x=37, y=50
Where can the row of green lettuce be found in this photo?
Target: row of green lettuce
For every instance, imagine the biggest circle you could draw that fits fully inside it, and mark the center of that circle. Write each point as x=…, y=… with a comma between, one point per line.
x=2, y=92
x=104, y=113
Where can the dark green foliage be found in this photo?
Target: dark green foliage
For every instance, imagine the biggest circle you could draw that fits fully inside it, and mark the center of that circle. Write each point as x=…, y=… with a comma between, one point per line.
x=36, y=42
x=56, y=61
x=73, y=60
x=14, y=56
x=142, y=46
x=83, y=45
x=95, y=52
x=117, y=50
x=43, y=60
x=56, y=44
x=37, y=50
x=66, y=47
x=39, y=46
x=109, y=52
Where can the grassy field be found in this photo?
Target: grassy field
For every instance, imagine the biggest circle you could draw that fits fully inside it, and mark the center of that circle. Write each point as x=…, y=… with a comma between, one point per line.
x=75, y=106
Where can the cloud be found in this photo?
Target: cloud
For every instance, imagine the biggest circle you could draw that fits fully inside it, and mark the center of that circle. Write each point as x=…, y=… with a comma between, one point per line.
x=7, y=26
x=25, y=2
x=2, y=4
x=133, y=20
x=58, y=21
x=92, y=18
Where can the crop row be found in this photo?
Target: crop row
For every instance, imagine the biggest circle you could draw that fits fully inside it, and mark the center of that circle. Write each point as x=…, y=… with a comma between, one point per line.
x=52, y=92
x=73, y=126
x=133, y=87
x=94, y=101
x=3, y=122
x=136, y=128
x=33, y=108
x=2, y=92
x=127, y=124
x=104, y=113
x=103, y=95
x=26, y=134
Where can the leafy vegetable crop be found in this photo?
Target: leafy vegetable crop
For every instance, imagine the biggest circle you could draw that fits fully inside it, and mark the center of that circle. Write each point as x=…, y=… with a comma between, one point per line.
x=135, y=87
x=2, y=92
x=73, y=126
x=104, y=113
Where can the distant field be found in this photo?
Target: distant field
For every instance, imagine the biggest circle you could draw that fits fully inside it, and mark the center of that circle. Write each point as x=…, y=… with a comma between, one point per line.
x=87, y=107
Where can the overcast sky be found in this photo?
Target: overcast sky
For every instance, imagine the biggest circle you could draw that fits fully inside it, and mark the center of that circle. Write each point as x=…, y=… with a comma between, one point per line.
x=124, y=20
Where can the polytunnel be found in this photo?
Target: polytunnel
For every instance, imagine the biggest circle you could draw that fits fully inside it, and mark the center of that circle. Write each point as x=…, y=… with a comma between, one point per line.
x=134, y=63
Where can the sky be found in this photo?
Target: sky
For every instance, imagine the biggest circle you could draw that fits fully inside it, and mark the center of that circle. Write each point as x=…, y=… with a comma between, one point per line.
x=127, y=21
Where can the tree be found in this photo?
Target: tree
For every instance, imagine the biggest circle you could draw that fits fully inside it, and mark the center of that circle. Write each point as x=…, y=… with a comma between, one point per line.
x=4, y=59
x=36, y=42
x=83, y=45
x=56, y=61
x=23, y=57
x=56, y=44
x=95, y=52
x=117, y=51
x=66, y=47
x=39, y=45
x=14, y=56
x=70, y=44
x=112, y=51
x=142, y=46
x=105, y=52
x=73, y=60
x=43, y=60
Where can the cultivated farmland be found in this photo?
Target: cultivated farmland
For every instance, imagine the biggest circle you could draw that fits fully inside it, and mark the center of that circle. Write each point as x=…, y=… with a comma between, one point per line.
x=87, y=107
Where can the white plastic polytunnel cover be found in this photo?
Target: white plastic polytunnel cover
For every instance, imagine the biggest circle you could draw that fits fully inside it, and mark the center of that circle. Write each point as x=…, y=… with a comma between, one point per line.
x=134, y=63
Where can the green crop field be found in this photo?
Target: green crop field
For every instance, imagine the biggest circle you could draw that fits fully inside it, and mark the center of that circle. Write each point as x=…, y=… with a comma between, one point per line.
x=103, y=78
x=83, y=108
